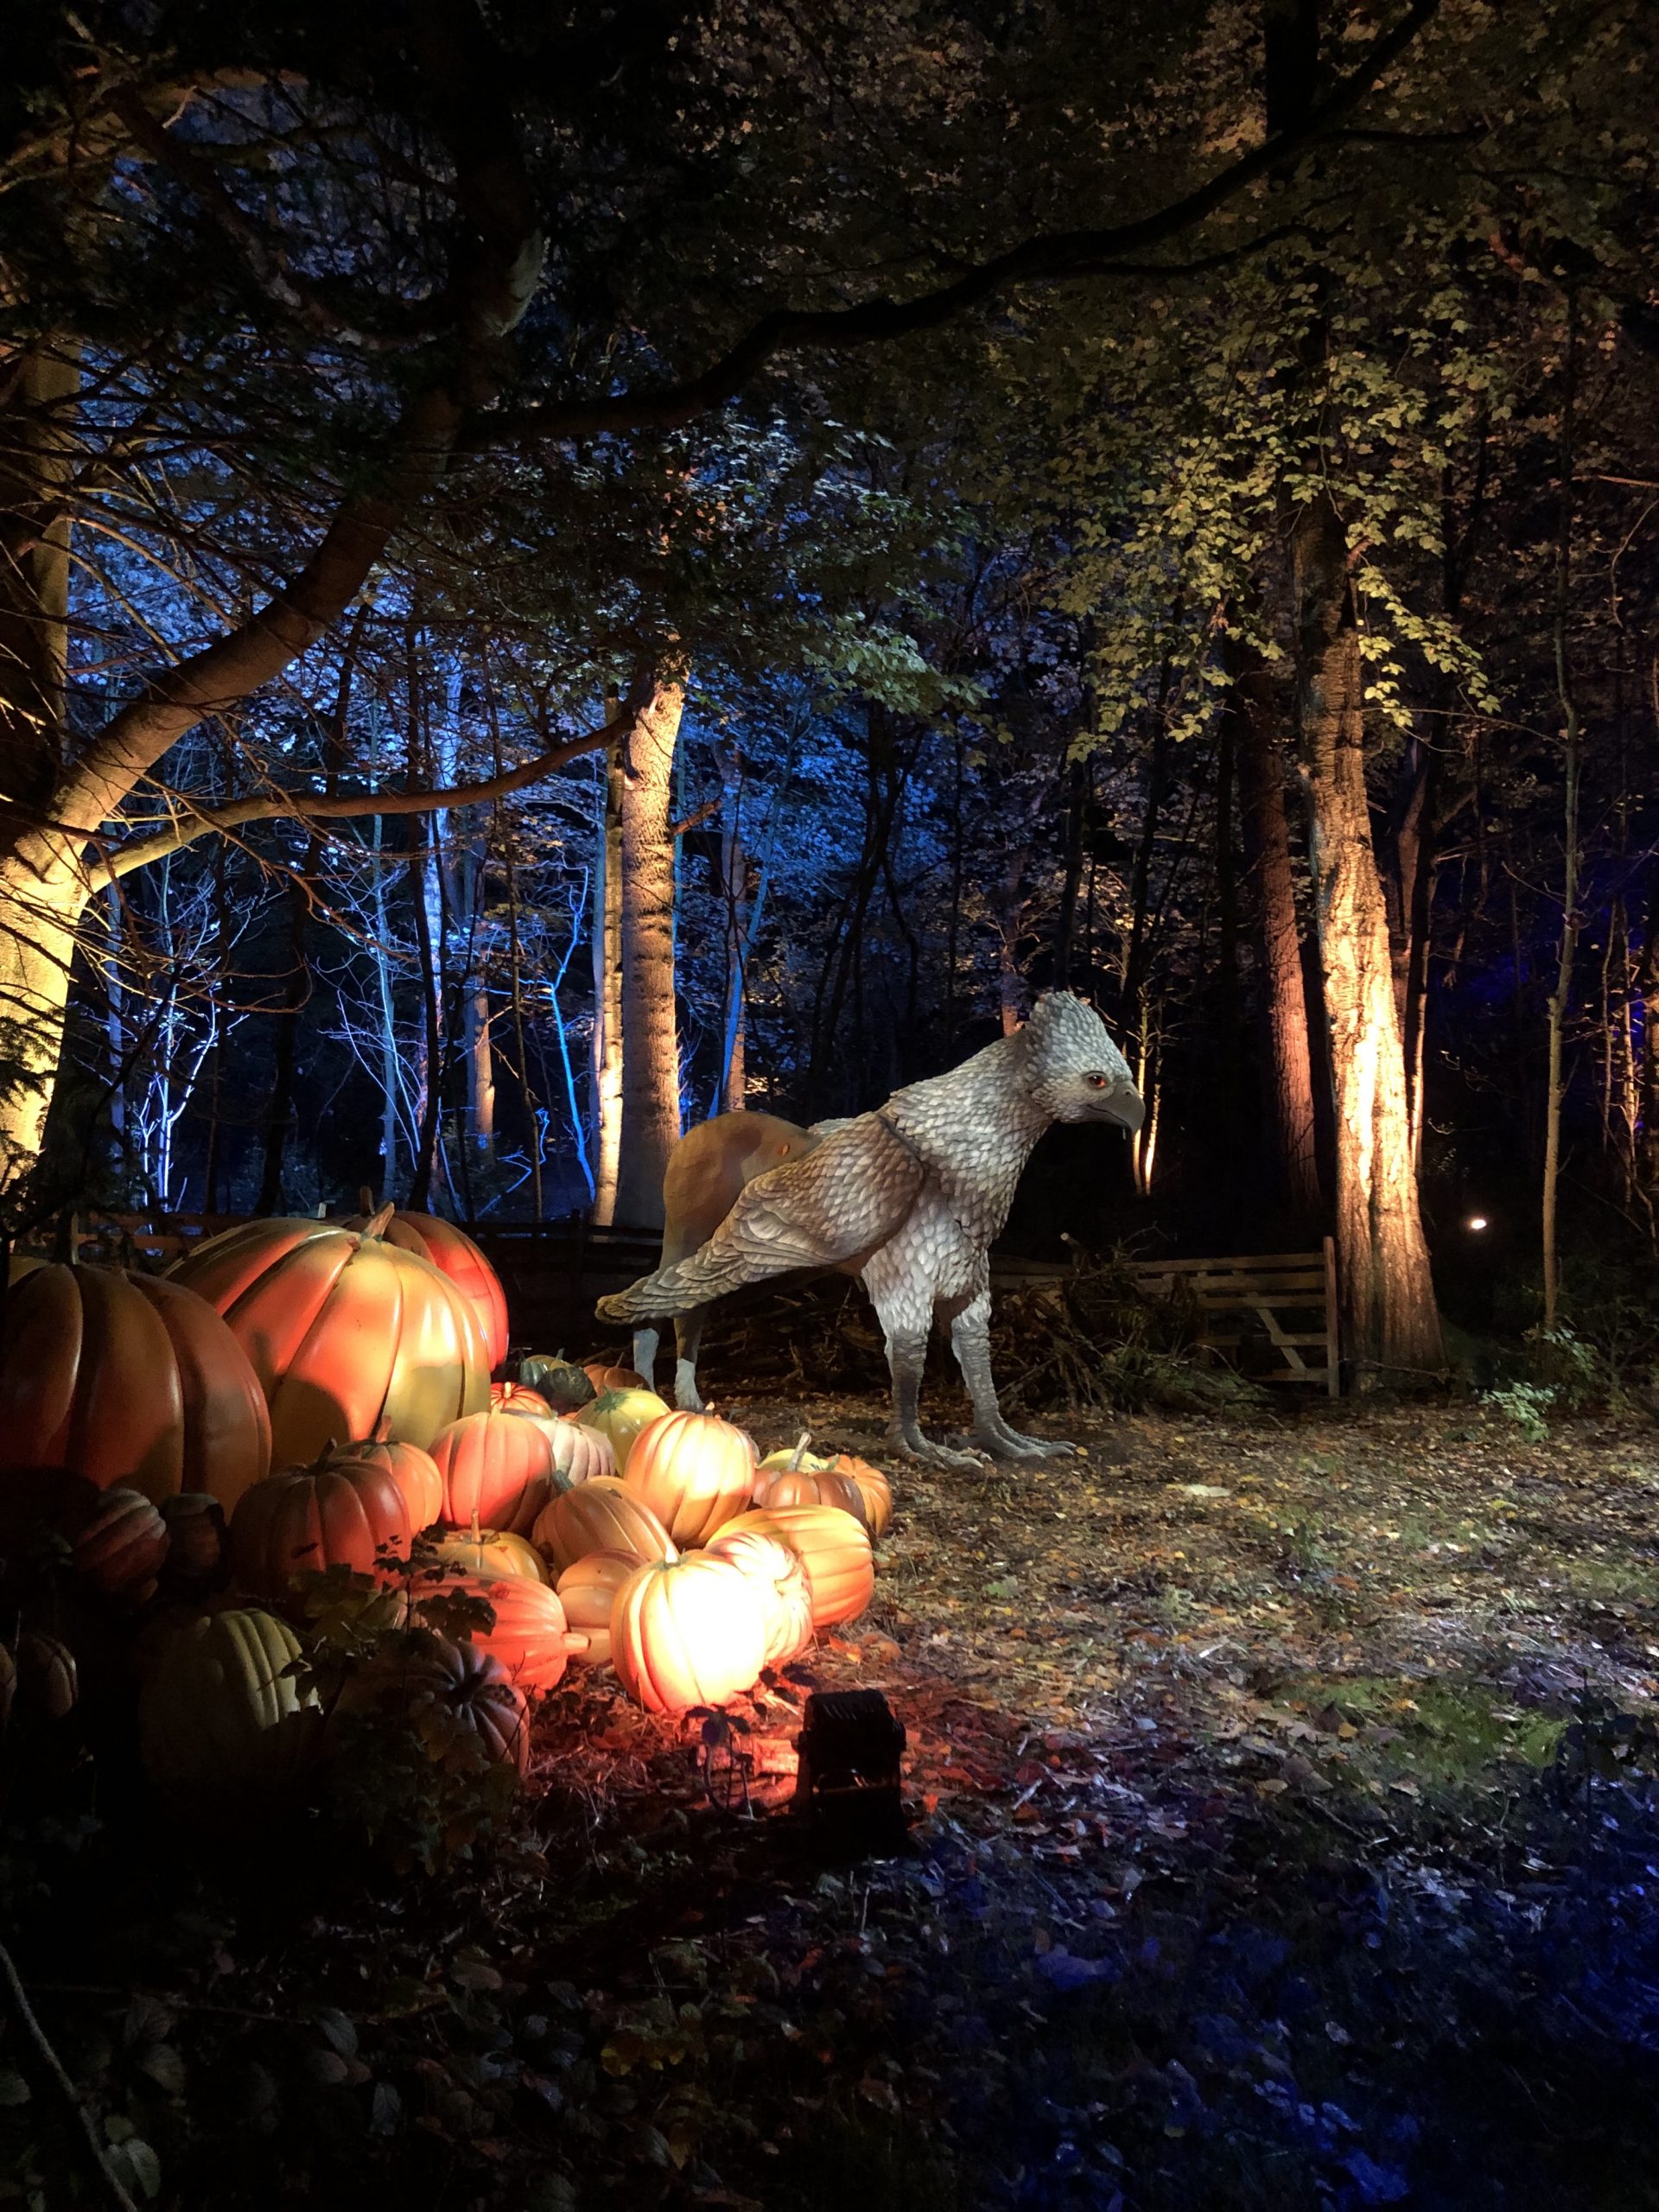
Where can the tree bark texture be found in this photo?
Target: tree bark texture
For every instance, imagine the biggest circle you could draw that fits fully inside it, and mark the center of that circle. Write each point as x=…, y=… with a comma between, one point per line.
x=1391, y=1322
x=651, y=1048
x=1262, y=768
x=607, y=995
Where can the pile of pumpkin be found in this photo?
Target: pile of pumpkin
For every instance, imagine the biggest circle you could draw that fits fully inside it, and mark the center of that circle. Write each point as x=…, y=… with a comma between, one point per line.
x=300, y=1396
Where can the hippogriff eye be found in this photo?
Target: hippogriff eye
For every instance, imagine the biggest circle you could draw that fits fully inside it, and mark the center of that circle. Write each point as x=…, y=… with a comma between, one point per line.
x=1097, y=1082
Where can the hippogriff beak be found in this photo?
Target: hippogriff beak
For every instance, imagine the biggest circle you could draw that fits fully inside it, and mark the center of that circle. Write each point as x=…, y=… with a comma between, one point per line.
x=1128, y=1109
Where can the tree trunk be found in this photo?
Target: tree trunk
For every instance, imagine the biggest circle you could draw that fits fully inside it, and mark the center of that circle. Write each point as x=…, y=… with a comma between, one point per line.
x=650, y=1052
x=1261, y=761
x=1387, y=1297
x=734, y=875
x=36, y=461
x=607, y=994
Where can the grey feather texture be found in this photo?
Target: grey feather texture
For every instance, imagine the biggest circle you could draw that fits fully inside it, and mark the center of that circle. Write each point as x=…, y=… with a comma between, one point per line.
x=912, y=1197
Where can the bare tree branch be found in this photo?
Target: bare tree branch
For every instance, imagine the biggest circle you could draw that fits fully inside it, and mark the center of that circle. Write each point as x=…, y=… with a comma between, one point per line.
x=313, y=806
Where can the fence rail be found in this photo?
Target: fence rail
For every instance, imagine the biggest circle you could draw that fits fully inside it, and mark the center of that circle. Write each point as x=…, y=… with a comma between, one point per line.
x=553, y=1271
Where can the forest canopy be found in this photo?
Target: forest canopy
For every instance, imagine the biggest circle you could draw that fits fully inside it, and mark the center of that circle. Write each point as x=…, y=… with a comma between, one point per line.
x=565, y=568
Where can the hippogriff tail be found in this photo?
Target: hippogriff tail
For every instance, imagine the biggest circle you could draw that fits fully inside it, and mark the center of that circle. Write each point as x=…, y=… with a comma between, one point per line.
x=689, y=1282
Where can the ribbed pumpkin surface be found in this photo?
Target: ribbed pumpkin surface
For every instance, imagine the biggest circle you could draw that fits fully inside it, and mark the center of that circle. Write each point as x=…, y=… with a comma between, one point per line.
x=122, y=1549
x=528, y=1640
x=832, y=1547
x=618, y=1416
x=455, y=1253
x=844, y=1480
x=414, y=1471
x=498, y=1470
x=339, y=1513
x=810, y=1486
x=603, y=1516
x=493, y=1552
x=518, y=1398
x=588, y=1592
x=694, y=1471
x=126, y=1379
x=778, y=1573
x=220, y=1725
x=345, y=1333
x=461, y=1679
x=689, y=1631
x=560, y=1380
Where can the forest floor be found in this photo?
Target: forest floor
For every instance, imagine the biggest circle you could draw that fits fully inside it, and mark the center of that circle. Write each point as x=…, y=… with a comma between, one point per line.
x=1283, y=1832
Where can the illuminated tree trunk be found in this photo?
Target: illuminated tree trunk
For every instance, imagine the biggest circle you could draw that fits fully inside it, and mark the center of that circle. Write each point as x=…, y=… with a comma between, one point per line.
x=651, y=1051
x=1387, y=1297
x=1267, y=829
x=607, y=994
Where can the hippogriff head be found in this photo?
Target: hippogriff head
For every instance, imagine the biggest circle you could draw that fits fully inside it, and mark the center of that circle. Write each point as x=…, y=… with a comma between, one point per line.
x=1074, y=1070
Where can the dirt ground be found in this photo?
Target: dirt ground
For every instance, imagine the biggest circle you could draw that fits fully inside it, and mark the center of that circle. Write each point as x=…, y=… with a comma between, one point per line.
x=1282, y=1832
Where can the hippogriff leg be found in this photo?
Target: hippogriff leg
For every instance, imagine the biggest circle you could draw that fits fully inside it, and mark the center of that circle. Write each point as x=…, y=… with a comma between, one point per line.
x=688, y=1335
x=903, y=1320
x=645, y=1342
x=970, y=1340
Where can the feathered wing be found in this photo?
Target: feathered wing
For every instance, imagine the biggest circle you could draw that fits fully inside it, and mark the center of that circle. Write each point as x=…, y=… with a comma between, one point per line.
x=844, y=1199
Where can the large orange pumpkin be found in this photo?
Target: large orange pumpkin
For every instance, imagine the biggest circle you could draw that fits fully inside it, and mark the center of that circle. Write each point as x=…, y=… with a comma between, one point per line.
x=121, y=1550
x=694, y=1471
x=832, y=1548
x=588, y=1592
x=498, y=1470
x=344, y=1330
x=340, y=1511
x=603, y=1516
x=454, y=1253
x=128, y=1379
x=492, y=1554
x=618, y=1416
x=530, y=1640
x=782, y=1581
x=689, y=1631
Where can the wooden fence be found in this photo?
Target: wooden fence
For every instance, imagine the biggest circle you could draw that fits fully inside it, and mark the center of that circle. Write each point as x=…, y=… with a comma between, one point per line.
x=1282, y=1304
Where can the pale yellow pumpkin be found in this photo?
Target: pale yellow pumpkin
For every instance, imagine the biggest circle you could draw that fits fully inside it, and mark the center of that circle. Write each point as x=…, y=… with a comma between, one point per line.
x=689, y=1631
x=588, y=1592
x=834, y=1550
x=618, y=1416
x=694, y=1471
x=603, y=1516
x=491, y=1552
x=782, y=1579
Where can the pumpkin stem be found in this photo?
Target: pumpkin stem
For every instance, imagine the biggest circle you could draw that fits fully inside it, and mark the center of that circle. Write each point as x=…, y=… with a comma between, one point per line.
x=324, y=1456
x=376, y=1224
x=475, y=1529
x=364, y=1197
x=800, y=1451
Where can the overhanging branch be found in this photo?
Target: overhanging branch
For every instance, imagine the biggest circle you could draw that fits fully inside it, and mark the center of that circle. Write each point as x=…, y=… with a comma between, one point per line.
x=313, y=806
x=1052, y=258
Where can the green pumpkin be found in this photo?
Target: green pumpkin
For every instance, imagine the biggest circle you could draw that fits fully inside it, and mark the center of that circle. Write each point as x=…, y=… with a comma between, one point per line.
x=559, y=1380
x=224, y=1729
